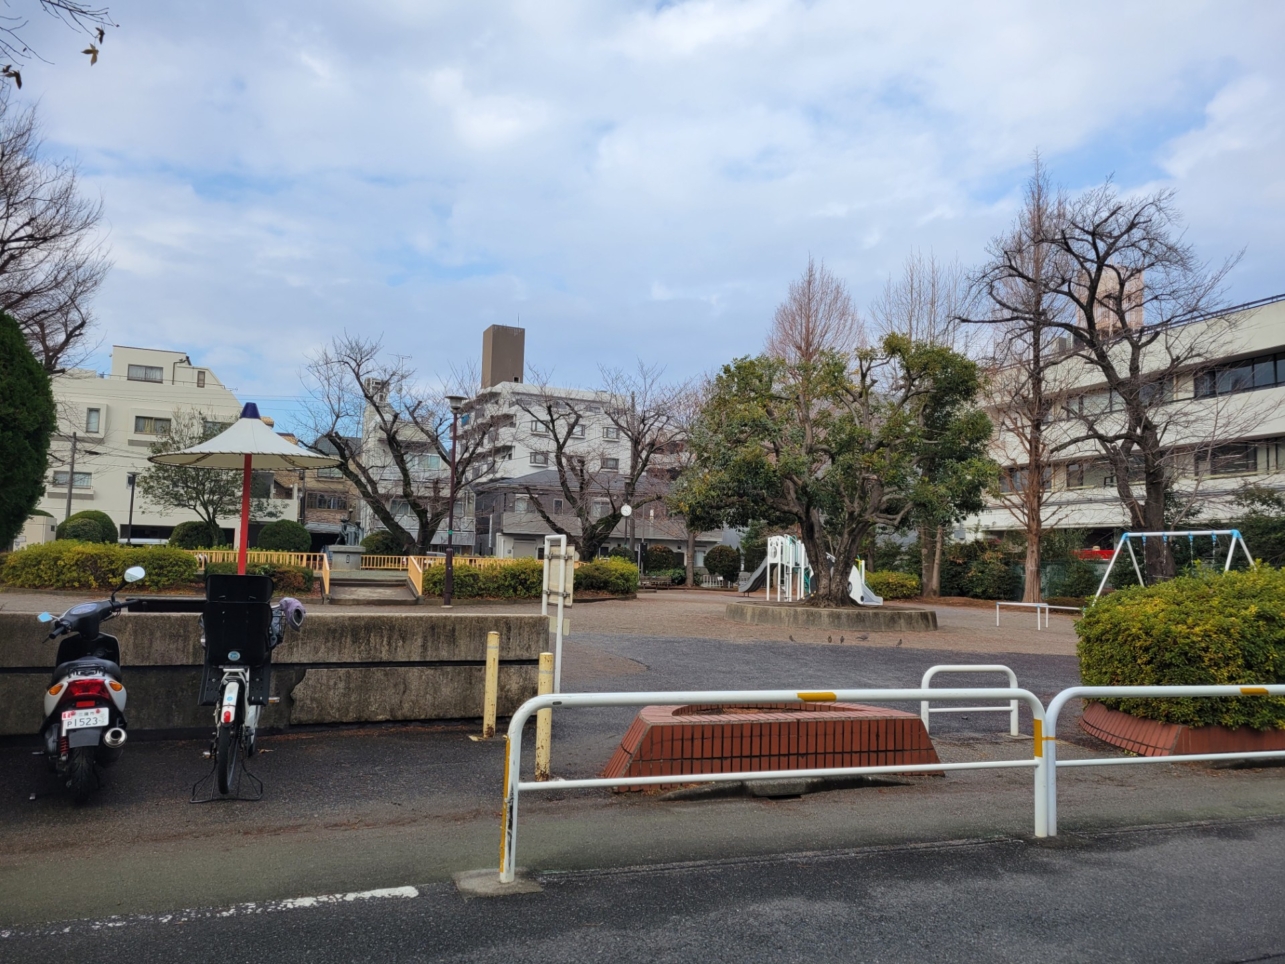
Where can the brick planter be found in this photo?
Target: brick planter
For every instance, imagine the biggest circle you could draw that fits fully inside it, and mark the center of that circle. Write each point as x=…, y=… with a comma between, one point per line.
x=688, y=741
x=1153, y=738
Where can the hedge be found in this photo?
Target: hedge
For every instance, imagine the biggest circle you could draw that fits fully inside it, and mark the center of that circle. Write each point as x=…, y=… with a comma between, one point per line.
x=615, y=576
x=893, y=585
x=724, y=561
x=107, y=528
x=81, y=530
x=1207, y=629
x=89, y=565
x=285, y=579
x=284, y=535
x=517, y=579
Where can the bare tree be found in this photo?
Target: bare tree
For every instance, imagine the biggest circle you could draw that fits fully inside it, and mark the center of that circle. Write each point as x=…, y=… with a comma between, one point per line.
x=925, y=304
x=1144, y=319
x=81, y=17
x=393, y=437
x=817, y=316
x=52, y=260
x=1025, y=387
x=609, y=448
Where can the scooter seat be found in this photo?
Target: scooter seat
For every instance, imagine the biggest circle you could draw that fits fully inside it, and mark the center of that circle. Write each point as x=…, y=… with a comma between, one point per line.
x=86, y=664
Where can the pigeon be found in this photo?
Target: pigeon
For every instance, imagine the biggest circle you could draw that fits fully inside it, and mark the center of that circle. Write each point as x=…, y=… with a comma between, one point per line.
x=791, y=639
x=10, y=72
x=840, y=639
x=899, y=641
x=864, y=636
x=93, y=54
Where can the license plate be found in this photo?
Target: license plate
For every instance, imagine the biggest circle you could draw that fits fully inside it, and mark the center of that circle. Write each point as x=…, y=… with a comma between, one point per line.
x=78, y=719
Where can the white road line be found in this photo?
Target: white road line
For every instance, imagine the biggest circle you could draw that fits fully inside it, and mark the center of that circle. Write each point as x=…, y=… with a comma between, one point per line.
x=207, y=913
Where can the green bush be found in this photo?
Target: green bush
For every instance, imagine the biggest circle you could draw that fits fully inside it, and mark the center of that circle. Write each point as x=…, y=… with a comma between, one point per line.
x=659, y=559
x=86, y=565
x=893, y=585
x=620, y=552
x=107, y=531
x=992, y=577
x=1079, y=579
x=286, y=580
x=724, y=561
x=193, y=535
x=515, y=579
x=615, y=576
x=1208, y=629
x=383, y=543
x=284, y=535
x=81, y=530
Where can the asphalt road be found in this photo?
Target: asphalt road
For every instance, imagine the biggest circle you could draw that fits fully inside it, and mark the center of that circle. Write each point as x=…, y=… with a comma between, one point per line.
x=1195, y=894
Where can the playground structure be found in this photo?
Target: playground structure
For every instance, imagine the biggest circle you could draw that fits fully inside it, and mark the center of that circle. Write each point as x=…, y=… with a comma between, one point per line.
x=786, y=568
x=1126, y=543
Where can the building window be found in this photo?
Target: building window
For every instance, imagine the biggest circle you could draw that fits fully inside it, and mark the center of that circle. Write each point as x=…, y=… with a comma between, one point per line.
x=145, y=373
x=599, y=508
x=504, y=453
x=200, y=379
x=538, y=427
x=326, y=500
x=1014, y=480
x=557, y=506
x=331, y=472
x=1238, y=458
x=147, y=425
x=83, y=480
x=213, y=428
x=521, y=503
x=539, y=458
x=610, y=465
x=1264, y=371
x=1078, y=474
x=93, y=420
x=610, y=433
x=577, y=430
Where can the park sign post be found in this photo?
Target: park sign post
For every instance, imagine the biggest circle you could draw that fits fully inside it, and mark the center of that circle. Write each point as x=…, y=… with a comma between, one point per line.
x=247, y=444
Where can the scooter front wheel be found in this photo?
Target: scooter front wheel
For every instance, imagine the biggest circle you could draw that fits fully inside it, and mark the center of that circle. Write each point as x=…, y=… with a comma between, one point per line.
x=226, y=757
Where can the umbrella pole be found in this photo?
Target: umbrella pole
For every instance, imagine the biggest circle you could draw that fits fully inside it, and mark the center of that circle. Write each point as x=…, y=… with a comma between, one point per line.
x=245, y=517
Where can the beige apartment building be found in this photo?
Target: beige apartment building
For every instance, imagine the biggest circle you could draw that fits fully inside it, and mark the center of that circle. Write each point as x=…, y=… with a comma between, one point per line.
x=112, y=419
x=1231, y=432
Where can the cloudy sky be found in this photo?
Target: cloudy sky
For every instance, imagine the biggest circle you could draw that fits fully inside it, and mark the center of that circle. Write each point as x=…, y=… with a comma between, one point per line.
x=623, y=179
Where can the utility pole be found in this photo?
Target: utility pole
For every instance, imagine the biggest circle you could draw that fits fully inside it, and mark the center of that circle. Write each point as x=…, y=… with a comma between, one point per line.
x=71, y=477
x=130, y=479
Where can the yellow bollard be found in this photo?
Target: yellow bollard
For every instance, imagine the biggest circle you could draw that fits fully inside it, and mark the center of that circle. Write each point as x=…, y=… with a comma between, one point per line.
x=492, y=685
x=544, y=720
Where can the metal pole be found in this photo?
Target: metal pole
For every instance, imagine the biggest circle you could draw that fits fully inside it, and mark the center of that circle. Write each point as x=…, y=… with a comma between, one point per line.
x=491, y=685
x=448, y=583
x=131, y=478
x=544, y=720
x=71, y=477
x=246, y=478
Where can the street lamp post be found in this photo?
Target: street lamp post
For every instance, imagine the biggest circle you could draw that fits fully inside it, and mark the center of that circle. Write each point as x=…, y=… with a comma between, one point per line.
x=456, y=402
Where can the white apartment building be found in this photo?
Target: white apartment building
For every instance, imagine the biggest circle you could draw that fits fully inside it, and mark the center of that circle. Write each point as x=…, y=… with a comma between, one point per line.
x=113, y=418
x=1233, y=433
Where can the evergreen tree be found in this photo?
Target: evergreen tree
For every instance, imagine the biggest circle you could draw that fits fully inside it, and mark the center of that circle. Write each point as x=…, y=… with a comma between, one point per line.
x=27, y=420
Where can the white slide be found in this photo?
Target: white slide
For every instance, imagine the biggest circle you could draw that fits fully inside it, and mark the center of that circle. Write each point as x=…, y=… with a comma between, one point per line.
x=858, y=589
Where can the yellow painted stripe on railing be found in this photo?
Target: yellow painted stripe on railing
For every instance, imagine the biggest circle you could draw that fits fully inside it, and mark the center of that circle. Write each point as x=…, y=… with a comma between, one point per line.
x=1037, y=727
x=818, y=697
x=1254, y=690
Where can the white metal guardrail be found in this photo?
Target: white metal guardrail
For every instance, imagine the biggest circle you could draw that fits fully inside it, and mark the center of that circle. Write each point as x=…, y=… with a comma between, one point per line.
x=514, y=785
x=1011, y=709
x=1137, y=692
x=1041, y=610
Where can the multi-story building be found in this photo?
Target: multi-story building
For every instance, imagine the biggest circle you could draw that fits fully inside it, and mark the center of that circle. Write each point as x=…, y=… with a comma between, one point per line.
x=1231, y=431
x=112, y=419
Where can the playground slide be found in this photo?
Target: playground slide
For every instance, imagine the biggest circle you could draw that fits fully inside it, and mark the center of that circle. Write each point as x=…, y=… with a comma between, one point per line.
x=860, y=592
x=756, y=579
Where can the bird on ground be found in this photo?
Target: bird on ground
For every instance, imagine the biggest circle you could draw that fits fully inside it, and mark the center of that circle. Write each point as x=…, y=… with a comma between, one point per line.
x=840, y=639
x=10, y=72
x=829, y=639
x=898, y=642
x=864, y=636
x=791, y=639
x=93, y=54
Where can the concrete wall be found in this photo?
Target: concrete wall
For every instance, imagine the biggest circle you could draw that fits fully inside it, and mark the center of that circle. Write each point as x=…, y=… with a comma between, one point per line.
x=343, y=668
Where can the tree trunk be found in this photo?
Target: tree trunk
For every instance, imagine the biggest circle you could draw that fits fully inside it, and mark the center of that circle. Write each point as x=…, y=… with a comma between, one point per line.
x=1032, y=591
x=691, y=559
x=934, y=587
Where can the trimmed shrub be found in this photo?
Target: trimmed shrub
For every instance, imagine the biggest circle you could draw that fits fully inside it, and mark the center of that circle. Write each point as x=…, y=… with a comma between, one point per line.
x=87, y=565
x=658, y=559
x=724, y=561
x=516, y=579
x=893, y=585
x=1208, y=629
x=284, y=535
x=285, y=579
x=192, y=535
x=106, y=528
x=615, y=576
x=620, y=552
x=81, y=530
x=383, y=543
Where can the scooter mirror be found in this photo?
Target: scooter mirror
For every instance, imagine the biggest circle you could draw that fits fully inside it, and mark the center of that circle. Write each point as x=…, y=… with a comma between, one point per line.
x=135, y=573
x=46, y=617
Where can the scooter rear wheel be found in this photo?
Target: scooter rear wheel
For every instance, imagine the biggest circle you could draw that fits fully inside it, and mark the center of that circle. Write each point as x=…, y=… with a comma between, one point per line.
x=82, y=780
x=226, y=758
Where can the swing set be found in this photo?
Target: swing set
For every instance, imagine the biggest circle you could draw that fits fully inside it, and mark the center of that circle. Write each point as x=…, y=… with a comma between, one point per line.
x=1126, y=542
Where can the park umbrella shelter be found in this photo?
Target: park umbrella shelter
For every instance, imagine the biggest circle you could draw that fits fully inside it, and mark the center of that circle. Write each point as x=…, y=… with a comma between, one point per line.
x=247, y=444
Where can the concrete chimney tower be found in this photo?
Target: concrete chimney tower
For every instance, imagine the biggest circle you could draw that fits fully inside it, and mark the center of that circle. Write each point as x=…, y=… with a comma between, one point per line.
x=503, y=354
